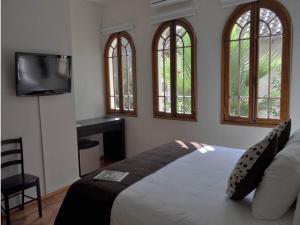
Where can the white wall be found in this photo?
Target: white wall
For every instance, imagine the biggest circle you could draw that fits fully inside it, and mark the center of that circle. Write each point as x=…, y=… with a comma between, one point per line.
x=87, y=59
x=87, y=62
x=294, y=7
x=41, y=26
x=144, y=131
x=59, y=141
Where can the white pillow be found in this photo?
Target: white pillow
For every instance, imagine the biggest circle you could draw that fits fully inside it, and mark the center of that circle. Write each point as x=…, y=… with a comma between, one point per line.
x=297, y=212
x=280, y=184
x=295, y=137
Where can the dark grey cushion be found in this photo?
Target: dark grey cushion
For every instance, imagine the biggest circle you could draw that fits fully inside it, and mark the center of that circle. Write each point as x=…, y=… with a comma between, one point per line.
x=283, y=131
x=250, y=168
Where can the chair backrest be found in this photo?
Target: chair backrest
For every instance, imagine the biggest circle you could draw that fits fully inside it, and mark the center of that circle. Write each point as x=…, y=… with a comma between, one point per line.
x=15, y=151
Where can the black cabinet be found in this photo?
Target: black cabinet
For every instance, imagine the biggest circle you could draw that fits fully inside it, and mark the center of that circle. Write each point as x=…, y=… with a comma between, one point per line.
x=113, y=130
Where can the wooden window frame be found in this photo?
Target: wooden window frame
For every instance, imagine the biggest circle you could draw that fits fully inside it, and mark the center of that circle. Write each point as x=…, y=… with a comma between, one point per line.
x=253, y=119
x=174, y=115
x=121, y=111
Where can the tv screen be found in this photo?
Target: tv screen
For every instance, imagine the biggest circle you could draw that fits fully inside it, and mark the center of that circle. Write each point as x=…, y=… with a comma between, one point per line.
x=41, y=74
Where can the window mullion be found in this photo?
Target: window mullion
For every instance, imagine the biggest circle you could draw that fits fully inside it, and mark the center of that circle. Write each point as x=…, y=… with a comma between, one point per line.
x=254, y=51
x=119, y=49
x=173, y=67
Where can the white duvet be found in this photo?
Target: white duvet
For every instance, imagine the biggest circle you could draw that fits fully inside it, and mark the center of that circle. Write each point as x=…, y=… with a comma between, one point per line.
x=188, y=191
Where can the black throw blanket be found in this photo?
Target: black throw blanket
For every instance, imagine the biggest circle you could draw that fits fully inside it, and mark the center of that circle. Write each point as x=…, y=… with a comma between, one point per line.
x=89, y=202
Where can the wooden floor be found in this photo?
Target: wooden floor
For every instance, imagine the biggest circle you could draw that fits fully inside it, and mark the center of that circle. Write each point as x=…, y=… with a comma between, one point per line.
x=29, y=216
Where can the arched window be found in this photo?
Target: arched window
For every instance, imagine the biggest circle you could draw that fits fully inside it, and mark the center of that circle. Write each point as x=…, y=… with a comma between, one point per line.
x=120, y=75
x=256, y=64
x=173, y=59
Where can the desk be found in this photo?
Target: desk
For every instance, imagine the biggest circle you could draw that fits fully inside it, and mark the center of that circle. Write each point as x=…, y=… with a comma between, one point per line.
x=113, y=130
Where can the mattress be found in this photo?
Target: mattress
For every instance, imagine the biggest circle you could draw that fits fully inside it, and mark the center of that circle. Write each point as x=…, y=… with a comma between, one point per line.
x=90, y=201
x=188, y=191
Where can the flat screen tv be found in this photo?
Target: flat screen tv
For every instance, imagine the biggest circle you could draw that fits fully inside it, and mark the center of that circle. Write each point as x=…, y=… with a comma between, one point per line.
x=42, y=74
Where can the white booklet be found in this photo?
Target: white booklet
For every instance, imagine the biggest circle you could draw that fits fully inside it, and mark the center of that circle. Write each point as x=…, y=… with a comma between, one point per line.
x=111, y=175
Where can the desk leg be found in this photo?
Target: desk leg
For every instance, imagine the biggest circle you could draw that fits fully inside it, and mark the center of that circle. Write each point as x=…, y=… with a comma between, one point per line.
x=114, y=145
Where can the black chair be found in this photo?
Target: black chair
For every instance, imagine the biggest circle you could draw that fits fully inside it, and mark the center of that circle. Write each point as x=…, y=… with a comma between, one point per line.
x=16, y=185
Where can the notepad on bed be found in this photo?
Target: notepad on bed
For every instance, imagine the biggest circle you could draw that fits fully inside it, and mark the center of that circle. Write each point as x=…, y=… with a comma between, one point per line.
x=110, y=175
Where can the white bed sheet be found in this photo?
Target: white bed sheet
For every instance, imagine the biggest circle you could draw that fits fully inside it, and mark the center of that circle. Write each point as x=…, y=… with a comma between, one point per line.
x=188, y=191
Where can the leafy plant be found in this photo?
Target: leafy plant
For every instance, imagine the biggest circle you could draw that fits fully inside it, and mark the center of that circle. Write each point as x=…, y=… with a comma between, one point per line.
x=239, y=75
x=268, y=63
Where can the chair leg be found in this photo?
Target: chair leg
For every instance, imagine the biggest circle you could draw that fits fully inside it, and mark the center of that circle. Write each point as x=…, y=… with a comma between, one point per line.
x=22, y=205
x=38, y=192
x=7, y=213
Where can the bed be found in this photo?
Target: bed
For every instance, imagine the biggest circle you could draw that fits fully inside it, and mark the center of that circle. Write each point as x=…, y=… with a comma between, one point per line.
x=180, y=183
